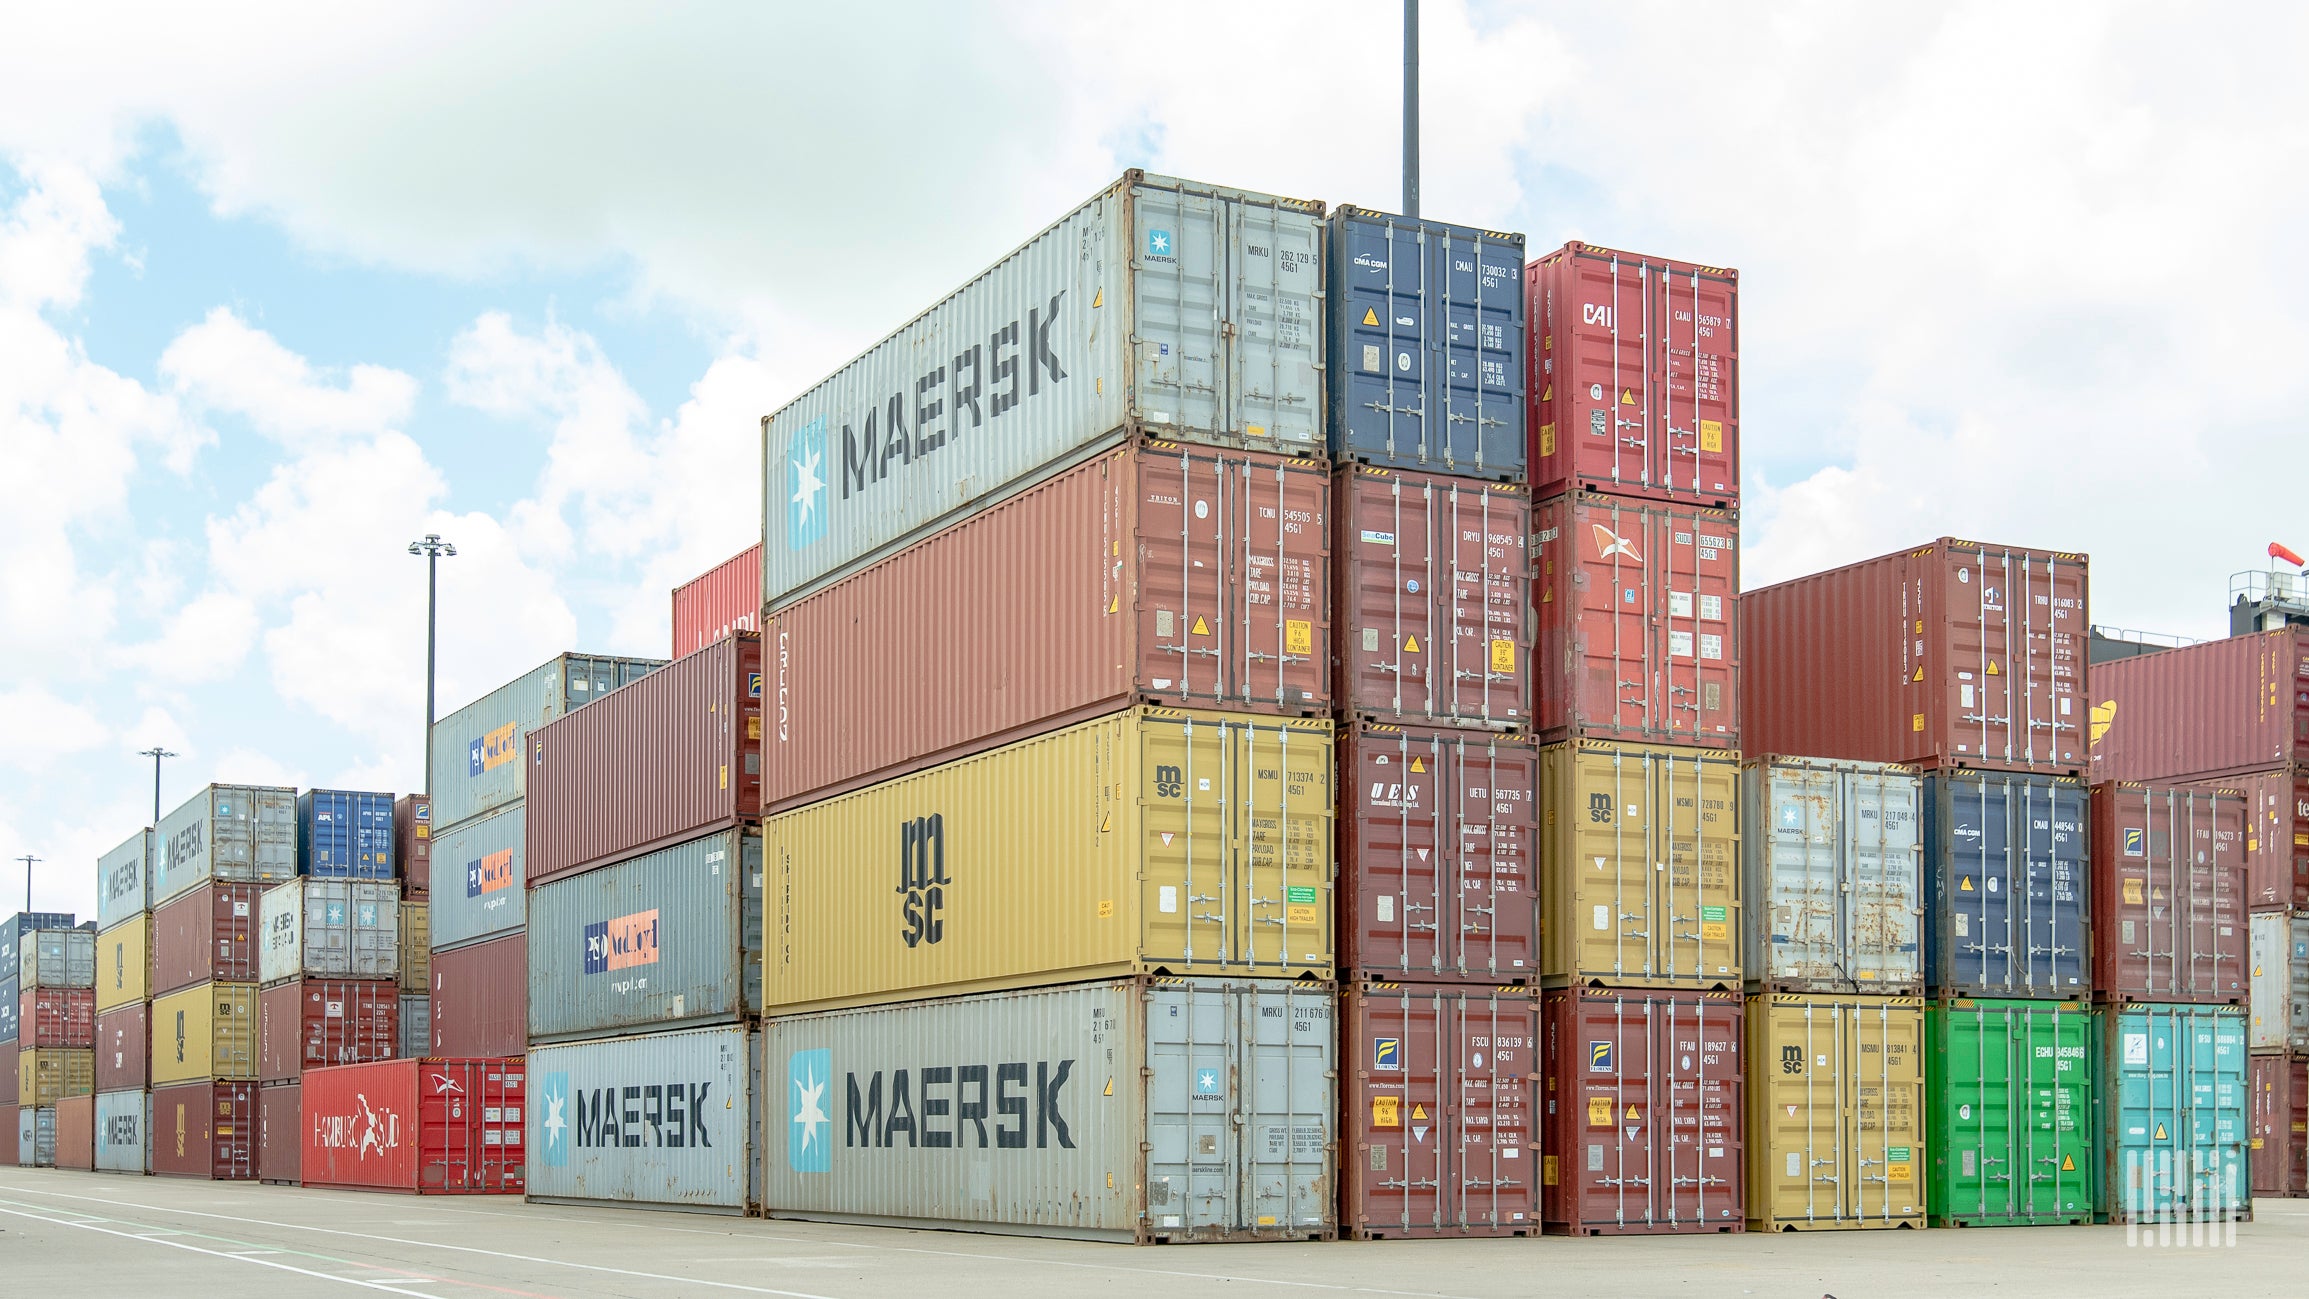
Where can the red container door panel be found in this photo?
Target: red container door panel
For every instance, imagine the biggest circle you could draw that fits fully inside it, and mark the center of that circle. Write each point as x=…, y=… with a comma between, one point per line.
x=471, y=1134
x=314, y=1023
x=124, y=1048
x=361, y=1126
x=207, y=935
x=281, y=1134
x=1699, y=387
x=56, y=1017
x=2012, y=688
x=2169, y=895
x=2276, y=836
x=2297, y=1128
x=205, y=1130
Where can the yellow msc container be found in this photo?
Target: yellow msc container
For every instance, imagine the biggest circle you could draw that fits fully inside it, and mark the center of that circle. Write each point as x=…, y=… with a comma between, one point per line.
x=124, y=963
x=47, y=1074
x=1639, y=866
x=1835, y=1112
x=416, y=949
x=1151, y=840
x=208, y=1030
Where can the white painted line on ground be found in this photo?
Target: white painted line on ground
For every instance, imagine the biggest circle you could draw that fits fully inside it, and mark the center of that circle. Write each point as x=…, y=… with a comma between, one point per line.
x=212, y=1253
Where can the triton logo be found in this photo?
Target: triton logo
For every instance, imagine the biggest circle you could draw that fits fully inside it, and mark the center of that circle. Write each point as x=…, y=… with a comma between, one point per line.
x=922, y=878
x=621, y=943
x=1609, y=543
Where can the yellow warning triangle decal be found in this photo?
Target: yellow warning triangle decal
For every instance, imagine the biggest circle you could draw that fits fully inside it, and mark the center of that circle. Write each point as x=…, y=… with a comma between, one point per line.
x=1627, y=396
x=1201, y=628
x=1992, y=668
x=1919, y=674
x=1107, y=826
x=1966, y=886
x=1418, y=1111
x=1098, y=300
x=1370, y=316
x=1548, y=393
x=1411, y=644
x=1110, y=1086
x=1548, y=598
x=1631, y=1113
x=1114, y=605
x=2067, y=1162
x=2160, y=1132
x=1418, y=764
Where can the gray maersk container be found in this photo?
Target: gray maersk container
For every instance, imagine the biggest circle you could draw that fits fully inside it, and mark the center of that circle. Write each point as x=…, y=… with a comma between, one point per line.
x=329, y=929
x=1833, y=876
x=124, y=1132
x=664, y=1119
x=1160, y=307
x=479, y=751
x=480, y=886
x=2280, y=985
x=124, y=880
x=657, y=942
x=237, y=833
x=1156, y=1110
x=35, y=1137
x=56, y=958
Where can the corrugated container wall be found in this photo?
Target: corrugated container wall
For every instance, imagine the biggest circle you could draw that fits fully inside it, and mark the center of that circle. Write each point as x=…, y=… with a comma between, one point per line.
x=10, y=995
x=2276, y=836
x=337, y=929
x=76, y=1133
x=313, y=1023
x=2006, y=859
x=64, y=1017
x=2280, y=990
x=124, y=1047
x=1835, y=1112
x=481, y=999
x=206, y=1031
x=2176, y=1109
x=2223, y=708
x=661, y=1119
x=124, y=1132
x=46, y=1074
x=725, y=598
x=481, y=751
x=432, y=1126
x=416, y=1026
x=2168, y=895
x=413, y=844
x=1833, y=881
x=15, y=927
x=205, y=1130
x=35, y=1136
x=2280, y=1133
x=344, y=834
x=124, y=963
x=2013, y=1120
x=8, y=1080
x=207, y=935
x=281, y=1134
x=415, y=941
x=235, y=833
x=56, y=958
x=483, y=889
x=124, y=880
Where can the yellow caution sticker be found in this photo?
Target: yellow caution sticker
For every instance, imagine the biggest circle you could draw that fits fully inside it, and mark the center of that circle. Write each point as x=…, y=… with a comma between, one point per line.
x=2068, y=1163
x=1546, y=440
x=1627, y=396
x=1547, y=1170
x=1965, y=886
x=1418, y=1112
x=1599, y=1111
x=1106, y=908
x=1502, y=655
x=1298, y=915
x=1711, y=435
x=1548, y=394
x=2160, y=1132
x=1896, y=1172
x=1411, y=644
x=1254, y=430
x=1548, y=598
x=1098, y=299
x=1266, y=1220
x=1919, y=673
x=2132, y=893
x=1298, y=636
x=1992, y=671
x=1920, y=626
x=1916, y=723
x=1713, y=931
x=1114, y=605
x=1386, y=1111
x=1110, y=1092
x=1418, y=764
x=1632, y=1118
x=1202, y=628
x=725, y=775
x=1370, y=315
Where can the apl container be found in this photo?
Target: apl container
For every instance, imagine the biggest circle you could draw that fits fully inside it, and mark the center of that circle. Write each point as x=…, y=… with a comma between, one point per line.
x=45, y=1075
x=207, y=934
x=312, y=1023
x=206, y=1130
x=345, y=835
x=1835, y=1112
x=416, y=948
x=35, y=1136
x=2013, y=1112
x=123, y=1132
x=2280, y=1118
x=2005, y=861
x=207, y=1031
x=61, y=1017
x=56, y=958
x=416, y=1026
x=76, y=1132
x=663, y=1119
x=413, y=844
x=439, y=1126
x=229, y=833
x=2223, y=708
x=1833, y=876
x=483, y=887
x=124, y=880
x=124, y=963
x=281, y=1134
x=724, y=599
x=333, y=929
x=2175, y=1101
x=1146, y=1110
x=124, y=1047
x=480, y=752
x=481, y=999
x=1187, y=312
x=1439, y=1125
x=2280, y=981
x=1427, y=345
x=2168, y=895
x=2276, y=836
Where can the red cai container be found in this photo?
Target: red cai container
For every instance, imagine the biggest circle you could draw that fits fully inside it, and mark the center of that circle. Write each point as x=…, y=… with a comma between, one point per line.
x=1954, y=654
x=656, y=762
x=1635, y=377
x=724, y=599
x=1438, y=855
x=1439, y=1112
x=124, y=1047
x=206, y=1130
x=2280, y=1124
x=64, y=1017
x=2223, y=708
x=413, y=844
x=2168, y=895
x=1432, y=594
x=1151, y=574
x=436, y=1126
x=281, y=1134
x=481, y=998
x=1639, y=616
x=308, y=1023
x=208, y=934
x=2276, y=836
x=76, y=1132
x=1642, y=1118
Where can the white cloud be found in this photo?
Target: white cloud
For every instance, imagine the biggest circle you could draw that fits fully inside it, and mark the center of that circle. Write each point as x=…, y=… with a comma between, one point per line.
x=223, y=364
x=36, y=728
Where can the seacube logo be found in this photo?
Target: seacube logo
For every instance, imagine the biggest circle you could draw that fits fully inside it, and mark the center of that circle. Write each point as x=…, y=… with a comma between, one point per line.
x=809, y=1145
x=922, y=878
x=806, y=483
x=621, y=943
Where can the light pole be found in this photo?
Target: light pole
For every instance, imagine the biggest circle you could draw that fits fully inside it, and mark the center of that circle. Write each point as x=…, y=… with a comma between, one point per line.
x=434, y=550
x=156, y=753
x=1411, y=108
x=28, y=859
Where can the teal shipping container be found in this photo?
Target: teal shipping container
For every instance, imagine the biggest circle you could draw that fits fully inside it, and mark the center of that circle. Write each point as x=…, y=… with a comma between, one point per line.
x=2176, y=1140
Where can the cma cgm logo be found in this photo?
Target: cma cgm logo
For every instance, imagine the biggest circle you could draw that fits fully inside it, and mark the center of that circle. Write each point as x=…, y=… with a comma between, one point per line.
x=489, y=874
x=922, y=879
x=976, y=1106
x=622, y=943
x=493, y=750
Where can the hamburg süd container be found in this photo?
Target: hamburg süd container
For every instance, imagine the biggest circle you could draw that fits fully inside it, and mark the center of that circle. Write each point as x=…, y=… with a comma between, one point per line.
x=64, y=1017
x=1145, y=1110
x=76, y=1132
x=2276, y=836
x=1438, y=855
x=1432, y=595
x=483, y=887
x=207, y=934
x=124, y=880
x=1832, y=877
x=1642, y=1114
x=2280, y=1117
x=416, y=1026
x=1162, y=307
x=1439, y=1111
x=124, y=1047
x=124, y=1131
x=413, y=845
x=725, y=598
x=2168, y=894
x=345, y=835
x=56, y=958
x=481, y=751
x=1953, y=654
x=416, y=948
x=281, y=1134
x=662, y=1119
x=1152, y=840
x=2223, y=708
x=1635, y=381
x=330, y=929
x=35, y=1136
x=1154, y=573
x=2280, y=981
x=312, y=1023
x=46, y=1074
x=245, y=834
x=2013, y=1115
x=2175, y=1107
x=436, y=1126
x=1427, y=345
x=1835, y=1112
x=205, y=1130
x=481, y=999
x=124, y=963
x=2006, y=860
x=13, y=930
x=207, y=1031
x=1639, y=866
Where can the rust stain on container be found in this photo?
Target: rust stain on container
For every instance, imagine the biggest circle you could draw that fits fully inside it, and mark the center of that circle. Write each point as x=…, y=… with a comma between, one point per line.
x=2168, y=905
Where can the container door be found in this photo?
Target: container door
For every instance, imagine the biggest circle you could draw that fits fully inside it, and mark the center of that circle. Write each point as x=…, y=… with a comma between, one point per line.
x=1802, y=1170
x=1184, y=770
x=1184, y=562
x=272, y=834
x=1885, y=1060
x=1279, y=592
x=1194, y=1168
x=1975, y=882
x=1612, y=626
x=2053, y=825
x=1494, y=1114
x=2271, y=992
x=1985, y=1072
x=1695, y=1112
x=1494, y=788
x=1480, y=675
x=2296, y=978
x=1609, y=1171
x=1274, y=348
x=1391, y=586
x=1404, y=1053
x=1698, y=390
x=1608, y=910
x=1279, y=779
x=2150, y=1159
x=1481, y=383
x=1884, y=906
x=1178, y=272
x=1695, y=649
x=1285, y=1089
x=376, y=932
x=1603, y=314
x=1696, y=867
x=1410, y=899
x=1799, y=891
x=1393, y=406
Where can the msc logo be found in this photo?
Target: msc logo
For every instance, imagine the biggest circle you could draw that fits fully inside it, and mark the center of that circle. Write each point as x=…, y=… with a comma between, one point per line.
x=922, y=878
x=493, y=750
x=2136, y=841
x=809, y=1133
x=806, y=482
x=622, y=943
x=1599, y=1057
x=1170, y=782
x=1599, y=809
x=489, y=874
x=1386, y=1053
x=1791, y=1059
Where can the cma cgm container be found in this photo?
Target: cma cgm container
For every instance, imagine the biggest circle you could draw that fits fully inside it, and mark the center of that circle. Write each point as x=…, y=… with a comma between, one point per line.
x=124, y=963
x=2223, y=708
x=415, y=942
x=1137, y=1110
x=1432, y=595
x=674, y=755
x=1833, y=880
x=60, y=1017
x=2013, y=1113
x=413, y=844
x=1151, y=839
x=208, y=934
x=45, y=1075
x=2176, y=1113
x=1835, y=1112
x=1635, y=379
x=1439, y=1118
x=227, y=833
x=1438, y=855
x=56, y=958
x=440, y=1126
x=664, y=1119
x=725, y=598
x=2168, y=895
x=1188, y=312
x=345, y=835
x=481, y=999
x=2276, y=836
x=340, y=929
x=480, y=752
x=206, y=1031
x=1150, y=574
x=1639, y=617
x=124, y=880
x=76, y=1132
x=281, y=1134
x=206, y=1130
x=483, y=890
x=124, y=1132
x=124, y=1047
x=1639, y=866
x=1427, y=345
x=2280, y=992
x=310, y=1023
x=1643, y=1116
x=2006, y=902
x=2280, y=1132
x=1954, y=654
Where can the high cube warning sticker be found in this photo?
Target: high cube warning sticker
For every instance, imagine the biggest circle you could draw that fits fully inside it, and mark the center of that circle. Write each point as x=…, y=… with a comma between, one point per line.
x=1386, y=1111
x=1714, y=926
x=1711, y=435
x=1546, y=440
x=1599, y=1111
x=2133, y=897
x=1915, y=723
x=1299, y=915
x=1298, y=636
x=1502, y=655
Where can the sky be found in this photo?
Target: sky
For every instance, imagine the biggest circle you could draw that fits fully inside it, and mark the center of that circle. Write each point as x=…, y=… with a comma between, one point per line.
x=283, y=288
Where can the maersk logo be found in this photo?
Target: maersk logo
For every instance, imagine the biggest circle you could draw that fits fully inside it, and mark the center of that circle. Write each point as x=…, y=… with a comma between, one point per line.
x=809, y=1147
x=1158, y=244
x=621, y=943
x=806, y=480
x=555, y=1124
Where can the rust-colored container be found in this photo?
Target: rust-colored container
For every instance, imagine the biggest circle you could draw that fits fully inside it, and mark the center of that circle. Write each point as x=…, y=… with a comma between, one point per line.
x=2223, y=708
x=205, y=1130
x=413, y=844
x=2280, y=1125
x=9, y=1112
x=309, y=1023
x=1953, y=654
x=1439, y=1126
x=1438, y=855
x=1153, y=574
x=124, y=1047
x=653, y=763
x=724, y=599
x=8, y=1080
x=2168, y=895
x=1638, y=621
x=481, y=998
x=76, y=1132
x=1431, y=596
x=2276, y=836
x=1642, y=1119
x=206, y=935
x=61, y=1017
x=281, y=1134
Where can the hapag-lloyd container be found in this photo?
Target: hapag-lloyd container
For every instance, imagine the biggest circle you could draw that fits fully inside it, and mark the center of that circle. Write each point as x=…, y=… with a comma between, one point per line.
x=229, y=833
x=1835, y=1112
x=483, y=888
x=2176, y=1109
x=413, y=844
x=2168, y=894
x=1639, y=621
x=1642, y=1111
x=2007, y=906
x=56, y=958
x=1138, y=1110
x=1955, y=654
x=2013, y=1116
x=481, y=999
x=1832, y=877
x=123, y=1132
x=2223, y=708
x=1432, y=584
x=313, y=1023
x=76, y=1132
x=206, y=1031
x=440, y=1126
x=124, y=963
x=1165, y=307
x=1439, y=1125
x=1427, y=345
x=674, y=755
x=281, y=1134
x=124, y=1047
x=1635, y=381
x=2280, y=1118
x=124, y=880
x=2280, y=989
x=2276, y=836
x=664, y=1119
x=64, y=1017
x=205, y=1130
x=1438, y=855
x=207, y=935
x=1148, y=841
x=724, y=599
x=481, y=751
x=331, y=929
x=1151, y=574
x=345, y=835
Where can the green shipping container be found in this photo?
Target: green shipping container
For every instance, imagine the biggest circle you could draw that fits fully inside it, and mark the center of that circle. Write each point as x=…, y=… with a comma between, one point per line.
x=2009, y=1095
x=2176, y=1110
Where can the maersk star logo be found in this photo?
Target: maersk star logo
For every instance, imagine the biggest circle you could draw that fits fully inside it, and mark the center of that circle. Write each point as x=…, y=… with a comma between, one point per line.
x=806, y=473
x=1206, y=1082
x=808, y=1074
x=1158, y=243
x=556, y=1120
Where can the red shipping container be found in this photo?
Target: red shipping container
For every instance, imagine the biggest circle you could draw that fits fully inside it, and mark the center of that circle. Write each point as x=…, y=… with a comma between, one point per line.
x=1439, y=1112
x=2223, y=708
x=1438, y=854
x=76, y=1132
x=1643, y=1118
x=2276, y=836
x=432, y=1127
x=7, y=1082
x=1639, y=622
x=1152, y=574
x=11, y=1145
x=2280, y=1125
x=656, y=762
x=1954, y=654
x=124, y=1047
x=1635, y=377
x=206, y=1130
x=2168, y=895
x=413, y=845
x=481, y=998
x=281, y=1134
x=307, y=1023
x=62, y=1017
x=1432, y=599
x=724, y=599
x=208, y=934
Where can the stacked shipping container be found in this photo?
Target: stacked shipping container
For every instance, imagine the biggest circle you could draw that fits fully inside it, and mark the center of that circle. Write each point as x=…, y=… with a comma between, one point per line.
x=49, y=973
x=124, y=952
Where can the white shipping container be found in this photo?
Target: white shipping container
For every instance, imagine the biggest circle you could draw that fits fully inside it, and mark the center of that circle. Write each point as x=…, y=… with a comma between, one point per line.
x=56, y=958
x=2280, y=986
x=124, y=880
x=1833, y=883
x=329, y=929
x=124, y=1132
x=658, y=1120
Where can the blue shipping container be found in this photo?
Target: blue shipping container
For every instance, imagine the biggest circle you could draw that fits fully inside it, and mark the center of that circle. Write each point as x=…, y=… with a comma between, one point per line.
x=13, y=929
x=345, y=835
x=2175, y=1100
x=2004, y=880
x=1427, y=345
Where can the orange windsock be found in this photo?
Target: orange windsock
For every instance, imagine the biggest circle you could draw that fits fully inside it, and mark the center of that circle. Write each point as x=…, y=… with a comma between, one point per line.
x=2277, y=550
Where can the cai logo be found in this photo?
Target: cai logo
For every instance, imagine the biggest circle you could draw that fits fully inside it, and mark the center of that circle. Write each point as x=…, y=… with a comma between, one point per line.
x=922, y=879
x=810, y=1128
x=489, y=874
x=493, y=750
x=622, y=943
x=553, y=1119
x=1386, y=1053
x=1158, y=245
x=2136, y=841
x=1599, y=1057
x=806, y=485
